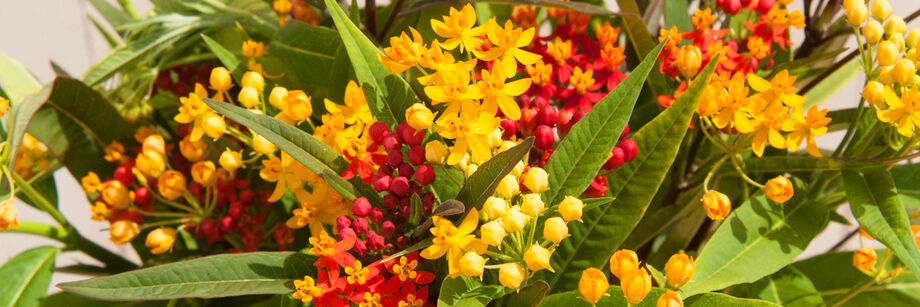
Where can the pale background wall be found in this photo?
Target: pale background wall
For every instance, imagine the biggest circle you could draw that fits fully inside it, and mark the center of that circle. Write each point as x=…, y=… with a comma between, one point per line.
x=36, y=32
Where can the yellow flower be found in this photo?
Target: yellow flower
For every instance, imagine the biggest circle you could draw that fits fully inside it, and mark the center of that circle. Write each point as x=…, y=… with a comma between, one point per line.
x=411, y=301
x=560, y=50
x=470, y=132
x=405, y=269
x=500, y=95
x=881, y=9
x=454, y=241
x=607, y=34
x=703, y=18
x=855, y=11
x=123, y=231
x=249, y=97
x=873, y=32
x=734, y=110
x=679, y=269
x=815, y=124
x=8, y=216
x=636, y=286
x=160, y=240
x=459, y=29
x=779, y=189
x=717, y=205
x=511, y=275
x=114, y=152
x=864, y=259
x=779, y=88
x=193, y=111
x=623, y=263
x=767, y=126
x=171, y=184
x=296, y=107
x=322, y=245
x=192, y=150
x=536, y=180
x=507, y=43
x=435, y=152
x=540, y=73
x=450, y=84
x=472, y=264
x=204, y=173
x=262, y=145
x=672, y=35
x=285, y=173
x=593, y=285
x=231, y=160
x=253, y=49
x=356, y=274
x=508, y=187
x=403, y=52
x=670, y=299
x=570, y=208
x=419, y=117
x=514, y=220
x=91, y=183
x=887, y=53
x=306, y=289
x=252, y=79
x=116, y=194
x=555, y=230
x=537, y=258
x=100, y=211
x=220, y=81
x=531, y=204
x=493, y=233
x=355, y=109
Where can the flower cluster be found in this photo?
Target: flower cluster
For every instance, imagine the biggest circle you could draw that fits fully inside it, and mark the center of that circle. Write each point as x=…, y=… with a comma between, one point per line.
x=31, y=160
x=635, y=280
x=296, y=9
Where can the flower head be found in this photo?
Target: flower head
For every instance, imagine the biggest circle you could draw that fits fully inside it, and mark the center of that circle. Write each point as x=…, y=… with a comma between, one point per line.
x=454, y=241
x=161, y=240
x=716, y=204
x=507, y=43
x=593, y=285
x=679, y=269
x=459, y=29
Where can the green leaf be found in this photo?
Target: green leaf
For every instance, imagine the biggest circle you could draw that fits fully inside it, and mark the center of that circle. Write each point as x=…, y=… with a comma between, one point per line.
x=467, y=292
x=485, y=179
x=113, y=15
x=757, y=239
x=614, y=298
x=642, y=41
x=529, y=296
x=788, y=287
x=213, y=276
x=633, y=185
x=833, y=275
x=580, y=155
x=227, y=58
x=26, y=277
x=17, y=82
x=719, y=299
x=676, y=13
x=907, y=180
x=388, y=95
x=875, y=205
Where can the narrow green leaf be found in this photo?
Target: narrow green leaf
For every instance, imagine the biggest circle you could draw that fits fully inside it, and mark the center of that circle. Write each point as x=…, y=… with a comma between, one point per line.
x=788, y=287
x=113, y=15
x=641, y=40
x=465, y=291
x=112, y=40
x=757, y=239
x=719, y=299
x=833, y=275
x=213, y=276
x=633, y=185
x=614, y=298
x=580, y=155
x=227, y=58
x=529, y=296
x=483, y=182
x=17, y=82
x=26, y=277
x=388, y=95
x=875, y=205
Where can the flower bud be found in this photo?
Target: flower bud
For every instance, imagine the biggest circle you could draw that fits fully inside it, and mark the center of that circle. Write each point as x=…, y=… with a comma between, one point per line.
x=881, y=9
x=874, y=93
x=624, y=262
x=297, y=106
x=123, y=231
x=593, y=285
x=192, y=150
x=864, y=259
x=689, y=60
x=171, y=184
x=493, y=233
x=470, y=169
x=570, y=208
x=537, y=258
x=508, y=187
x=679, y=270
x=419, y=117
x=361, y=207
x=895, y=24
x=898, y=40
x=536, y=180
x=204, y=173
x=616, y=159
x=116, y=194
x=532, y=205
x=778, y=189
x=154, y=142
x=630, y=149
x=231, y=160
x=912, y=38
x=544, y=137
x=670, y=299
x=435, y=152
x=515, y=220
x=873, y=32
x=856, y=12
x=214, y=125
x=886, y=75
x=494, y=208
x=518, y=169
x=262, y=145
x=161, y=240
x=597, y=187
x=904, y=72
x=8, y=215
x=511, y=275
x=636, y=286
x=253, y=49
x=717, y=205
x=249, y=97
x=555, y=230
x=150, y=163
x=472, y=264
x=425, y=175
x=254, y=80
x=277, y=96
x=220, y=79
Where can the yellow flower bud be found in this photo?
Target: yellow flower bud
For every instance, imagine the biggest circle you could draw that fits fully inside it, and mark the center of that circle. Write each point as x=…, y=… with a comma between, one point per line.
x=624, y=262
x=593, y=285
x=555, y=230
x=220, y=79
x=204, y=173
x=254, y=80
x=116, y=194
x=231, y=160
x=887, y=53
x=100, y=211
x=276, y=98
x=913, y=38
x=123, y=231
x=670, y=299
x=508, y=187
x=537, y=258
x=249, y=97
x=515, y=220
x=856, y=11
x=214, y=125
x=885, y=75
x=470, y=170
x=689, y=60
x=518, y=169
x=436, y=152
x=161, y=240
x=864, y=259
x=570, y=208
x=536, y=180
x=874, y=92
x=419, y=117
x=472, y=264
x=717, y=205
x=171, y=184
x=8, y=215
x=150, y=163
x=679, y=270
x=778, y=189
x=904, y=72
x=262, y=145
x=881, y=9
x=154, y=142
x=873, y=32
x=532, y=204
x=297, y=106
x=636, y=286
x=91, y=183
x=511, y=275
x=894, y=25
x=492, y=233
x=494, y=208
x=253, y=49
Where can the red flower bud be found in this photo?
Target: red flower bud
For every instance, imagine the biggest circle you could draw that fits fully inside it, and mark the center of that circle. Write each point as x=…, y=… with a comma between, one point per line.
x=387, y=229
x=390, y=201
x=391, y=143
x=625, y=132
x=124, y=175
x=764, y=6
x=547, y=116
x=376, y=215
x=629, y=148
x=381, y=182
x=385, y=169
x=399, y=186
x=378, y=131
x=236, y=209
x=425, y=174
x=544, y=137
x=509, y=128
x=342, y=222
x=361, y=247
x=361, y=206
x=417, y=155
x=617, y=158
x=597, y=188
x=142, y=197
x=359, y=224
x=346, y=233
x=394, y=158
x=195, y=189
x=406, y=170
x=248, y=197
x=376, y=241
x=414, y=138
x=528, y=120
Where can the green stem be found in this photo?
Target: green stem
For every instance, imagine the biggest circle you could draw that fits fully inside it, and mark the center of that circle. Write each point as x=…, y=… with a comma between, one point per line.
x=128, y=6
x=50, y=231
x=40, y=201
x=714, y=169
x=113, y=262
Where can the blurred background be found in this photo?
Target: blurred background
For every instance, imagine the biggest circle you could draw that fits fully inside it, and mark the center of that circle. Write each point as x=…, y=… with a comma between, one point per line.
x=41, y=31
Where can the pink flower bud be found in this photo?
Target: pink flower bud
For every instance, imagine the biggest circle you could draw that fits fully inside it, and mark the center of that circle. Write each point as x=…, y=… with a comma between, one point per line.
x=342, y=222
x=617, y=158
x=124, y=175
x=425, y=174
x=378, y=131
x=346, y=233
x=399, y=186
x=361, y=207
x=629, y=148
x=248, y=197
x=394, y=158
x=381, y=182
x=406, y=170
x=361, y=247
x=226, y=224
x=390, y=201
x=387, y=229
x=359, y=224
x=547, y=116
x=597, y=188
x=391, y=143
x=376, y=215
x=509, y=128
x=417, y=155
x=544, y=137
x=376, y=241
